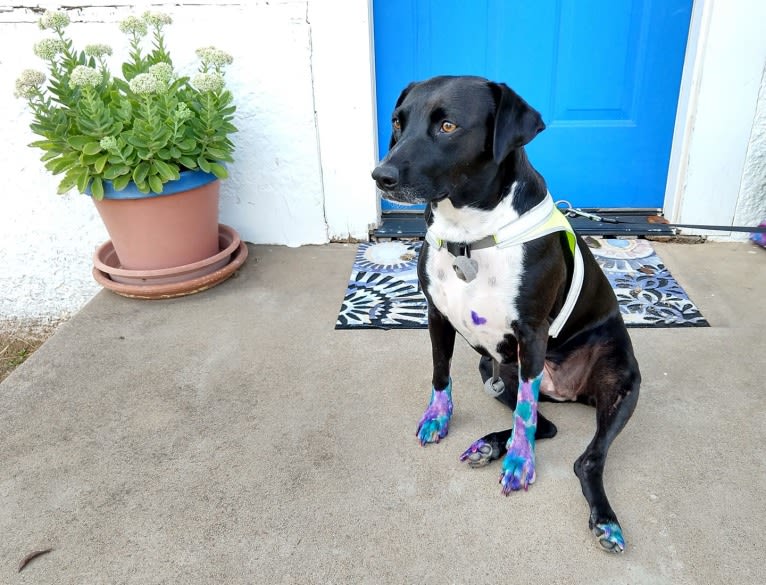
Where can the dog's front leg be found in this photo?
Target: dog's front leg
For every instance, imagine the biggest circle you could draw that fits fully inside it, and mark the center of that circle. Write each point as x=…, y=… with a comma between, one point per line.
x=519, y=463
x=434, y=424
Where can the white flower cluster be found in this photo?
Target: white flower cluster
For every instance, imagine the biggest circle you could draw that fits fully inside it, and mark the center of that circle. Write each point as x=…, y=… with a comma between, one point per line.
x=29, y=82
x=54, y=20
x=212, y=57
x=133, y=25
x=182, y=112
x=157, y=19
x=212, y=81
x=163, y=72
x=48, y=48
x=146, y=84
x=84, y=76
x=97, y=50
x=108, y=143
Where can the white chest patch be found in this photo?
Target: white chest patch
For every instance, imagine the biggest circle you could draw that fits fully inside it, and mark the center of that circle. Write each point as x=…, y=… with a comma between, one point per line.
x=481, y=310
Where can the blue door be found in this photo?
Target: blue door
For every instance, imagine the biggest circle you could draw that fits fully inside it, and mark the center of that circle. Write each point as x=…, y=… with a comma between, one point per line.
x=604, y=74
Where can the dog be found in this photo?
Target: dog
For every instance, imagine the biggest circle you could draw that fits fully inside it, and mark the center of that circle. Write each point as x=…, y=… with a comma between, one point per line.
x=501, y=266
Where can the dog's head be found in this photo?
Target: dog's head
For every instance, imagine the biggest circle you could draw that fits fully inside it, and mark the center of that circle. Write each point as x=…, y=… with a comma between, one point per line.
x=451, y=137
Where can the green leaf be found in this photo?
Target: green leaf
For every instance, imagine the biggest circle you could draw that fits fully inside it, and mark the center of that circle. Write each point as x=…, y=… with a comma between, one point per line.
x=155, y=183
x=142, y=186
x=139, y=174
x=83, y=180
x=217, y=153
x=187, y=144
x=78, y=142
x=166, y=171
x=44, y=144
x=97, y=188
x=88, y=159
x=203, y=164
x=187, y=162
x=135, y=141
x=91, y=148
x=67, y=183
x=115, y=171
x=219, y=170
x=101, y=163
x=121, y=182
x=60, y=165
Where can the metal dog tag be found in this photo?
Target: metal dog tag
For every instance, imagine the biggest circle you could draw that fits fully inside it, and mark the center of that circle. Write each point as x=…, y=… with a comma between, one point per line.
x=494, y=387
x=466, y=268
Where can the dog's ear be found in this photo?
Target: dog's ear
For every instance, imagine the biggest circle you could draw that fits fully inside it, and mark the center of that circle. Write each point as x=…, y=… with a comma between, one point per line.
x=516, y=122
x=403, y=95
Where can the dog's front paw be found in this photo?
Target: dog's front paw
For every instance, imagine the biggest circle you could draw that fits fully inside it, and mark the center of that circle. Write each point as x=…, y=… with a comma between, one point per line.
x=518, y=473
x=609, y=535
x=519, y=462
x=434, y=424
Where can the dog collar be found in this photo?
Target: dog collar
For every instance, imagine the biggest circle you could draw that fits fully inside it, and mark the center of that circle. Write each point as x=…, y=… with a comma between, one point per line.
x=543, y=219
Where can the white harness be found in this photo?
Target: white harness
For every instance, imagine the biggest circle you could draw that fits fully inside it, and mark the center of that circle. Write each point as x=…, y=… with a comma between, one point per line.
x=542, y=220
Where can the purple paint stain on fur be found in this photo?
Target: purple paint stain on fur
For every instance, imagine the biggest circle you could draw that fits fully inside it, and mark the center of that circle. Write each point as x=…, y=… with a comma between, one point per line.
x=476, y=319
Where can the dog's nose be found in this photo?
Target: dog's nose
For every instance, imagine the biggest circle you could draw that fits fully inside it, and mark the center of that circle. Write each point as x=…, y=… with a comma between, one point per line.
x=386, y=176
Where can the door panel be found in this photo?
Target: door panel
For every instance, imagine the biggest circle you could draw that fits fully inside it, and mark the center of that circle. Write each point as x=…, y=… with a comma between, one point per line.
x=604, y=74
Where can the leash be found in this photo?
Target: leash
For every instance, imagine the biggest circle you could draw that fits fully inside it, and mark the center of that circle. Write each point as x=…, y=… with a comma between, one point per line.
x=570, y=211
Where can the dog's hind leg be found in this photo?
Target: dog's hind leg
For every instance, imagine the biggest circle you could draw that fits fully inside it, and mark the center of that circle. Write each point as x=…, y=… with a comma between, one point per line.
x=615, y=403
x=434, y=424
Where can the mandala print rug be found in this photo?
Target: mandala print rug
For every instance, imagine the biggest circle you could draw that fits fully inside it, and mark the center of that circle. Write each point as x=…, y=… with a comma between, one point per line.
x=383, y=291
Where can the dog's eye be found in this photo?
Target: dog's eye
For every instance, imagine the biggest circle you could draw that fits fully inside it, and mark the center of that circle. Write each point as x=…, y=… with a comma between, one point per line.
x=448, y=127
x=397, y=124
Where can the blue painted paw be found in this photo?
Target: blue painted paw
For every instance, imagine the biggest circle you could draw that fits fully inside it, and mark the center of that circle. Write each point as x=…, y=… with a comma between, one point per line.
x=610, y=537
x=480, y=453
x=518, y=472
x=434, y=425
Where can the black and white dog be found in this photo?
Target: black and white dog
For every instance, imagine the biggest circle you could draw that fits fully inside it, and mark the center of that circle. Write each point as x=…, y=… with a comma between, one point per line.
x=502, y=267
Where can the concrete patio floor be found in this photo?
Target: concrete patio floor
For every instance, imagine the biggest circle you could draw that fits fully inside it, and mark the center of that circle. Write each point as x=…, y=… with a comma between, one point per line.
x=235, y=437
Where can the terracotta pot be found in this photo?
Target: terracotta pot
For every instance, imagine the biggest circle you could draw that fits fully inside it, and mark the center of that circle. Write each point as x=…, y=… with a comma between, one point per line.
x=175, y=228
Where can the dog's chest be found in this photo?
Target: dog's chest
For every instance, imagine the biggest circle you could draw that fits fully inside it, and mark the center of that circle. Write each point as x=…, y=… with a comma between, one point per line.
x=482, y=310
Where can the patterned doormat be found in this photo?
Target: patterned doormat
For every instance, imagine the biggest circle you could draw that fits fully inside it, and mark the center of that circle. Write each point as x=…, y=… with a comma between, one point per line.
x=383, y=291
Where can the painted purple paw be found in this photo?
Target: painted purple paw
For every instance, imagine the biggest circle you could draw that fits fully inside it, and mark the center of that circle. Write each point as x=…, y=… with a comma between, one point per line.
x=610, y=537
x=434, y=425
x=518, y=472
x=519, y=462
x=480, y=453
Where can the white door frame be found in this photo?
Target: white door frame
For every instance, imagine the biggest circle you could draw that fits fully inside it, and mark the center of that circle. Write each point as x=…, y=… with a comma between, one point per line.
x=719, y=95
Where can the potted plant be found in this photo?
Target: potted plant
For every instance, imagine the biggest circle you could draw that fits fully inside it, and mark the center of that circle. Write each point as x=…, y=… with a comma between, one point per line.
x=149, y=146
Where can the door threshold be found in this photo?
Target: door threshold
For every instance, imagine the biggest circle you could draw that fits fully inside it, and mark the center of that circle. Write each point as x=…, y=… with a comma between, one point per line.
x=634, y=223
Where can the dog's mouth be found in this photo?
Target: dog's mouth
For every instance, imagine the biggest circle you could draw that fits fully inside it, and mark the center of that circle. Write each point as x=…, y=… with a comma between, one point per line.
x=410, y=196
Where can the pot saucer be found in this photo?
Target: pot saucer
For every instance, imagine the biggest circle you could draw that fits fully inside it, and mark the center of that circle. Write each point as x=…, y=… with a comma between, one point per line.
x=170, y=282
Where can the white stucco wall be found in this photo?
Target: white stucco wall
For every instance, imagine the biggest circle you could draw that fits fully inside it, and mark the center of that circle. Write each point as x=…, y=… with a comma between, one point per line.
x=717, y=161
x=751, y=204
x=303, y=156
